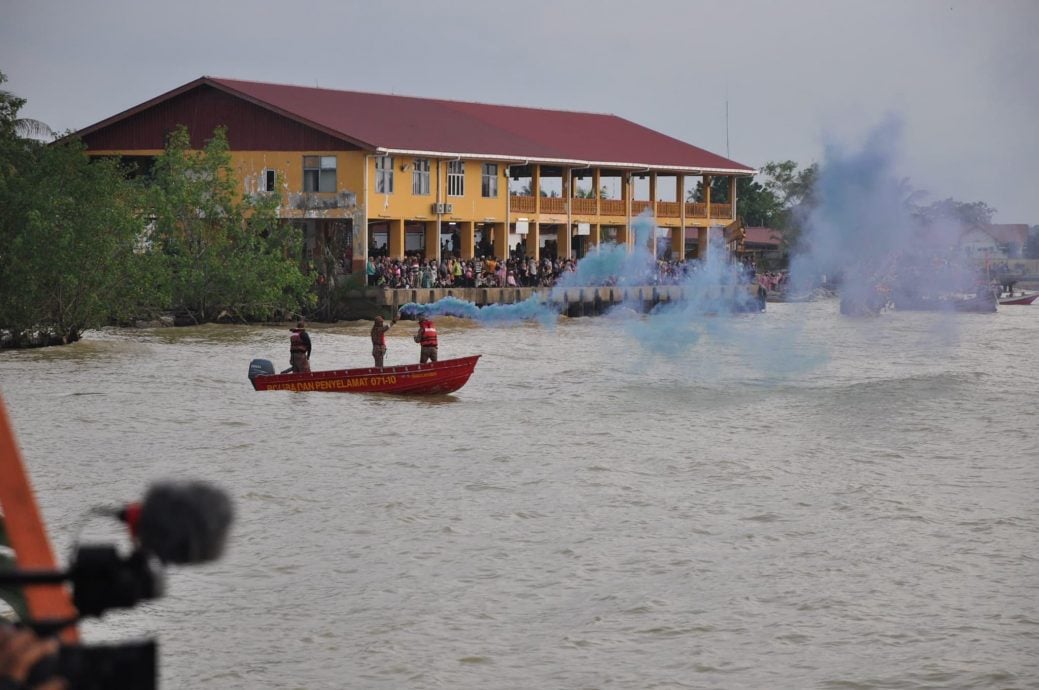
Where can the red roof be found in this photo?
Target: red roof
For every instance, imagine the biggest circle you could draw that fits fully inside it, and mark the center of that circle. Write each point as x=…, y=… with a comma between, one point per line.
x=1007, y=233
x=409, y=125
x=762, y=235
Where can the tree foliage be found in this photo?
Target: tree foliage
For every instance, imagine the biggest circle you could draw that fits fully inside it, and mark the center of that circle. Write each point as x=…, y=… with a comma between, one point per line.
x=975, y=214
x=68, y=232
x=224, y=255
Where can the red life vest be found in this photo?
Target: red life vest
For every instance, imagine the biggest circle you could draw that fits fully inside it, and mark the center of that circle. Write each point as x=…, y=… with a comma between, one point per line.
x=429, y=334
x=379, y=336
x=296, y=343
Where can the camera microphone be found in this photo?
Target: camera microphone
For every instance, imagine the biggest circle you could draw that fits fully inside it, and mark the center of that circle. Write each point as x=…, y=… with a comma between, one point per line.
x=180, y=522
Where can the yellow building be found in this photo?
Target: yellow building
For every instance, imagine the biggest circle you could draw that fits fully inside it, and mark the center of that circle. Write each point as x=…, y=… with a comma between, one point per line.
x=373, y=174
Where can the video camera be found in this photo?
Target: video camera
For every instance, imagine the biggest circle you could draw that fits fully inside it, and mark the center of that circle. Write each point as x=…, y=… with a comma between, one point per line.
x=176, y=523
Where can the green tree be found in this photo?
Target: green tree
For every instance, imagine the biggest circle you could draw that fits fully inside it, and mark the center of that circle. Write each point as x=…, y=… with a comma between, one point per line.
x=11, y=124
x=975, y=214
x=227, y=256
x=794, y=190
x=69, y=240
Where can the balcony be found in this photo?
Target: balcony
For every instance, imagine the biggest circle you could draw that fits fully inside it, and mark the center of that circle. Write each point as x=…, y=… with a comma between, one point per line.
x=668, y=209
x=614, y=207
x=553, y=204
x=721, y=210
x=695, y=210
x=637, y=207
x=584, y=207
x=523, y=204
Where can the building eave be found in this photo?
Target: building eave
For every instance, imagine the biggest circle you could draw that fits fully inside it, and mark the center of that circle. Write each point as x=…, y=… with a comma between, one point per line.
x=512, y=158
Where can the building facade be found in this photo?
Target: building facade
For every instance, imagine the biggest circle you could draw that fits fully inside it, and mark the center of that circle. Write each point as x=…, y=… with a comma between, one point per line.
x=367, y=174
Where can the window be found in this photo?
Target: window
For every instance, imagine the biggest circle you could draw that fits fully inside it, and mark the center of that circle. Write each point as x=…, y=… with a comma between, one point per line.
x=384, y=175
x=420, y=177
x=455, y=178
x=319, y=173
x=489, y=187
x=268, y=181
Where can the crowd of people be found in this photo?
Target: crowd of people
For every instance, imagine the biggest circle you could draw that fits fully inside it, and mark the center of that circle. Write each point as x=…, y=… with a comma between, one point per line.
x=490, y=271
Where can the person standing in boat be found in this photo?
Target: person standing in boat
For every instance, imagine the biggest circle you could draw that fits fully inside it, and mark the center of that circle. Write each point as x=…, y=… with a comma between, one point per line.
x=299, y=349
x=379, y=329
x=427, y=339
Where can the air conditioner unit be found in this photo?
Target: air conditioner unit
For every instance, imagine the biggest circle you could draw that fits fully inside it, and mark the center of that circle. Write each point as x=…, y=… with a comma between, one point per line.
x=443, y=208
x=449, y=208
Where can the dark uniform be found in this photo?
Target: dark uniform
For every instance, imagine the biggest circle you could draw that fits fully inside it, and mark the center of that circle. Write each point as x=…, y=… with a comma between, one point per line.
x=379, y=340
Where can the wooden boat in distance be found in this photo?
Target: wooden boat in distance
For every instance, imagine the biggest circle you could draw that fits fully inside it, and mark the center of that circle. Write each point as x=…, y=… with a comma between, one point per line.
x=432, y=378
x=1018, y=297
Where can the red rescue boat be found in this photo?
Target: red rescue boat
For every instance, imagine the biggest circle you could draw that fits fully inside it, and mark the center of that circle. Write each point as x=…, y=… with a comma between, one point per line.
x=432, y=378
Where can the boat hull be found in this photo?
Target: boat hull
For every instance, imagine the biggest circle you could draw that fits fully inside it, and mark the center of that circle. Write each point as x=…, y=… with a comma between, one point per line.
x=432, y=378
x=984, y=305
x=1023, y=298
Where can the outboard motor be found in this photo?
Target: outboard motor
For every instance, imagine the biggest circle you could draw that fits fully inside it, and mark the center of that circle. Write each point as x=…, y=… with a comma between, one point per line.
x=260, y=367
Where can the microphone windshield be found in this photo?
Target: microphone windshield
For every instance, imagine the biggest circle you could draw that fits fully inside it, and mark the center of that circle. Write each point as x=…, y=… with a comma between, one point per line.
x=184, y=522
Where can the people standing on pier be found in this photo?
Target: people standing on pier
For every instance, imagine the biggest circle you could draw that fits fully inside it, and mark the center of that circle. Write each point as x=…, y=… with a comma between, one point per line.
x=299, y=349
x=379, y=329
x=427, y=339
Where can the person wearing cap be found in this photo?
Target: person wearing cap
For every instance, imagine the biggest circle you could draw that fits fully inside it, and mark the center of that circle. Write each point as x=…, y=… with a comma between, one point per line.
x=379, y=329
x=299, y=349
x=427, y=339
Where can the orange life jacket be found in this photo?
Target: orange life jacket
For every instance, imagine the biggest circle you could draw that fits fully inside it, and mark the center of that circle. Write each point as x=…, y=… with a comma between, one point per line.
x=296, y=343
x=379, y=336
x=429, y=334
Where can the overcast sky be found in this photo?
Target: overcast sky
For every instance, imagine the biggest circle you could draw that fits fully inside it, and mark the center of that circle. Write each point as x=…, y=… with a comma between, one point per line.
x=963, y=76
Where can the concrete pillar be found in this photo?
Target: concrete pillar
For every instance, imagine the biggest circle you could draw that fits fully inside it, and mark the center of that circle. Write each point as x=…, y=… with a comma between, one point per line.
x=500, y=239
x=361, y=250
x=707, y=196
x=678, y=243
x=535, y=186
x=626, y=232
x=467, y=232
x=594, y=236
x=702, y=243
x=432, y=236
x=396, y=232
x=596, y=187
x=653, y=192
x=533, y=242
x=564, y=240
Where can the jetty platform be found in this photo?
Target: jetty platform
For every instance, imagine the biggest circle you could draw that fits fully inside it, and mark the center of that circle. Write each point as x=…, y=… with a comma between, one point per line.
x=572, y=301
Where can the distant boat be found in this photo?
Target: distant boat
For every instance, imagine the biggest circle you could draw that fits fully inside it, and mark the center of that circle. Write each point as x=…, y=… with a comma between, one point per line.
x=1018, y=297
x=432, y=378
x=981, y=303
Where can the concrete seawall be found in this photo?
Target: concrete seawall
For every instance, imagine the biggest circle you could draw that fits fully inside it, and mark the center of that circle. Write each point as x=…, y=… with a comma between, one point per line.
x=574, y=301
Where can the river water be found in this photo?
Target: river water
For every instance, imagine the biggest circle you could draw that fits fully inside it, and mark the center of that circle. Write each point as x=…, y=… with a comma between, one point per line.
x=795, y=500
